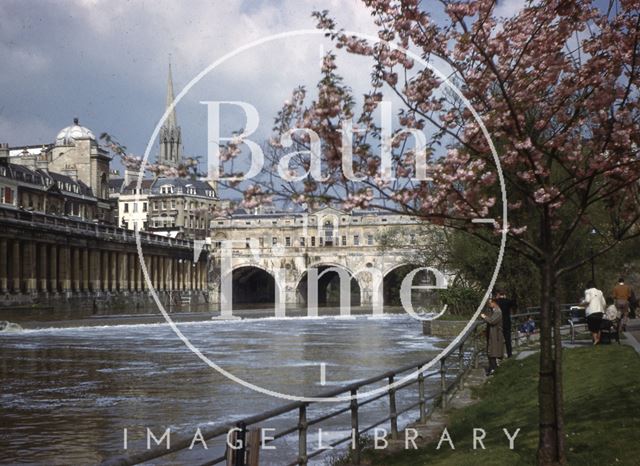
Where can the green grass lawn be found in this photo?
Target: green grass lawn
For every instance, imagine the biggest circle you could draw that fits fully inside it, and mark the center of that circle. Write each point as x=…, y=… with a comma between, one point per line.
x=602, y=414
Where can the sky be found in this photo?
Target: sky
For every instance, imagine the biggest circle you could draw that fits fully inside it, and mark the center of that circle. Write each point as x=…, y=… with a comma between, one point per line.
x=105, y=62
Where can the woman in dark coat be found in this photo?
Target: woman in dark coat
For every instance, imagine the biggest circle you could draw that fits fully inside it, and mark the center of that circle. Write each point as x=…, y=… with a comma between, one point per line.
x=495, y=338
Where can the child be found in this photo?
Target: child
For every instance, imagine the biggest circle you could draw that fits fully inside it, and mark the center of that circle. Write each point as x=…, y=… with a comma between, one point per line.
x=528, y=327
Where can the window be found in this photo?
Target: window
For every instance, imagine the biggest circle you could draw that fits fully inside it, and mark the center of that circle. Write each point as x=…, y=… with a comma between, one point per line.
x=287, y=241
x=344, y=240
x=370, y=240
x=356, y=240
x=246, y=243
x=302, y=241
x=144, y=206
x=274, y=240
x=313, y=241
x=164, y=205
x=126, y=207
x=173, y=204
x=6, y=195
x=412, y=238
x=135, y=207
x=328, y=232
x=320, y=240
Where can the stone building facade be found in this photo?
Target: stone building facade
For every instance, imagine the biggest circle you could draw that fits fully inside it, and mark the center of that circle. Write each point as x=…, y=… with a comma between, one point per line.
x=52, y=260
x=283, y=246
x=27, y=183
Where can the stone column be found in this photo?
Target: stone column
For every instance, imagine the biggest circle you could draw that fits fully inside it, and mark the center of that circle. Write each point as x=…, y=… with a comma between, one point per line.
x=16, y=274
x=123, y=282
x=113, y=270
x=65, y=265
x=196, y=273
x=147, y=263
x=169, y=273
x=137, y=273
x=185, y=274
x=94, y=270
x=178, y=265
x=153, y=271
x=75, y=268
x=139, y=277
x=53, y=268
x=131, y=272
x=104, y=262
x=203, y=275
x=85, y=268
x=42, y=266
x=4, y=270
x=161, y=270
x=29, y=272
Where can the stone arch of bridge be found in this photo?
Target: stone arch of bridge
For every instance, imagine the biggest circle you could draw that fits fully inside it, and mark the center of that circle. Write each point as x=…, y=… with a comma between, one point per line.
x=329, y=284
x=392, y=279
x=253, y=283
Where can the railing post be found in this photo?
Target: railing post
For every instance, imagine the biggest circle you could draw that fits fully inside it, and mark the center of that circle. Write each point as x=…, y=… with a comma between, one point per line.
x=240, y=453
x=476, y=349
x=393, y=412
x=355, y=428
x=302, y=436
x=460, y=365
x=421, y=399
x=443, y=383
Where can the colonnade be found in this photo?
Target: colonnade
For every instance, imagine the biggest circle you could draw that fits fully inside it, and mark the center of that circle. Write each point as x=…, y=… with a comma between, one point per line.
x=30, y=266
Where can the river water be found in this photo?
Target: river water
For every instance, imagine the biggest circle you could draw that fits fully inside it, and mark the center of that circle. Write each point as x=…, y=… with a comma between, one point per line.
x=68, y=393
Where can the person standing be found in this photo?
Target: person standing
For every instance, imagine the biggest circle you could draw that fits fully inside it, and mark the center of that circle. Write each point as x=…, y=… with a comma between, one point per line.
x=507, y=306
x=595, y=307
x=495, y=338
x=621, y=296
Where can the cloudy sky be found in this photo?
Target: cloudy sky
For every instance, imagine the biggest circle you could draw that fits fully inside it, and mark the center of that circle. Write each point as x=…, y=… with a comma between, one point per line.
x=106, y=62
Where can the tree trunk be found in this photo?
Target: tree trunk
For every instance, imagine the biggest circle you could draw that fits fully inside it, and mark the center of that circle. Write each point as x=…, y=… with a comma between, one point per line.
x=559, y=393
x=551, y=439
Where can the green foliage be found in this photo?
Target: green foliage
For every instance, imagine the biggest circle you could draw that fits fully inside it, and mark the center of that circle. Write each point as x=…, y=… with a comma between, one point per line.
x=462, y=301
x=602, y=412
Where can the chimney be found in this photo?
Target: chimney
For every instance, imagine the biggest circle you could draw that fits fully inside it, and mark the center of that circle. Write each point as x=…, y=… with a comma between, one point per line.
x=42, y=162
x=130, y=175
x=71, y=172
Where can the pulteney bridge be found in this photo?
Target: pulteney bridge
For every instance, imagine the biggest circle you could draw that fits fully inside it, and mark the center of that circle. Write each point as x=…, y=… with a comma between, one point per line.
x=269, y=256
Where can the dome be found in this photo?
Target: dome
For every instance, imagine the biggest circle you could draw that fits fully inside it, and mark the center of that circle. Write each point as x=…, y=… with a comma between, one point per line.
x=68, y=135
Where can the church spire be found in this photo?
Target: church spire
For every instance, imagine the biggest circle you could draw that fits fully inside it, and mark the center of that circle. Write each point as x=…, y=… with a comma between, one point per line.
x=170, y=134
x=171, y=119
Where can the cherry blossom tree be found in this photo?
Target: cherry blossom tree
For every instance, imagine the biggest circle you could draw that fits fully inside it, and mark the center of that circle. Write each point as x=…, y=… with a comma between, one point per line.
x=556, y=86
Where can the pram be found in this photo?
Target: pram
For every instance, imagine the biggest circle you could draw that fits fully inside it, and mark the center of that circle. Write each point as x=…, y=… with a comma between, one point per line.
x=611, y=324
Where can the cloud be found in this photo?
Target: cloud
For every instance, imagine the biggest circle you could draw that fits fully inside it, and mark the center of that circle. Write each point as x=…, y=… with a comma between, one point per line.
x=106, y=61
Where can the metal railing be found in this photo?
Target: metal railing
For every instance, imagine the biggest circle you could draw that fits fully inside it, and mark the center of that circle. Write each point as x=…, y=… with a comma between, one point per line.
x=68, y=225
x=571, y=320
x=453, y=365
